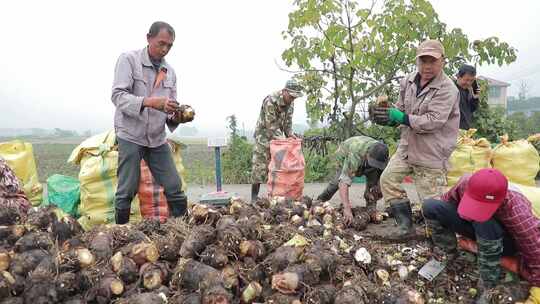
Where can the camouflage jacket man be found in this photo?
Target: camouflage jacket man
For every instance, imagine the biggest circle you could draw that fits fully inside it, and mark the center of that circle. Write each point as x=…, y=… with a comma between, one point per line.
x=275, y=120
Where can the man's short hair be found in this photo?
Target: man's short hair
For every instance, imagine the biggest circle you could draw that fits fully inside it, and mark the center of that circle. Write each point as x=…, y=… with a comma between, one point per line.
x=158, y=26
x=466, y=69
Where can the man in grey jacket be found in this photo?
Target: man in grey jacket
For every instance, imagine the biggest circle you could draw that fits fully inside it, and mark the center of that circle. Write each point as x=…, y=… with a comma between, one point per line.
x=144, y=93
x=427, y=112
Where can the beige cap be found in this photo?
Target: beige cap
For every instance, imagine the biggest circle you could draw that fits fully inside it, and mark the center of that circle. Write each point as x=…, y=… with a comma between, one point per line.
x=432, y=48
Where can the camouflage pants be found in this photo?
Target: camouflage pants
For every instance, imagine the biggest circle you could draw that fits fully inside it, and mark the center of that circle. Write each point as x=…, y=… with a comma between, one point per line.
x=260, y=162
x=429, y=182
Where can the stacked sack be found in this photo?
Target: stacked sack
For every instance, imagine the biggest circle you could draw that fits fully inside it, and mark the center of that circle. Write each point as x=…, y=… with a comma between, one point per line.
x=517, y=160
x=19, y=156
x=469, y=156
x=98, y=158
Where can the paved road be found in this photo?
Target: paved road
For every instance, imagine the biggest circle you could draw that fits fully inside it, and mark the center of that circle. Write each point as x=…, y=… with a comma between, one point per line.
x=312, y=190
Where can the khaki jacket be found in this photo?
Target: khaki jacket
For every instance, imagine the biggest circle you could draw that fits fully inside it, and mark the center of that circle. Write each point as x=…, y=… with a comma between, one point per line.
x=434, y=121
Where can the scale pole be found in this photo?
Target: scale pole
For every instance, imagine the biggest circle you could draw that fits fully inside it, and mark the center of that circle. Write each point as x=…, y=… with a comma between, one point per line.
x=218, y=168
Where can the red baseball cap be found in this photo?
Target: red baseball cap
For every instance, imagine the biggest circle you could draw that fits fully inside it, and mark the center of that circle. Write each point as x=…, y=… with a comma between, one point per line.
x=486, y=191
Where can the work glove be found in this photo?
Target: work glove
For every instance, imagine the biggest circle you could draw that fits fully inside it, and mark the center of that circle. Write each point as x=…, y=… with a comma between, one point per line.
x=391, y=116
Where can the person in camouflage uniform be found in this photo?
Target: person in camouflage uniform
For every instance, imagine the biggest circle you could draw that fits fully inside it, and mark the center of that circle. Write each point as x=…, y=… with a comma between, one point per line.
x=11, y=190
x=485, y=208
x=275, y=122
x=357, y=156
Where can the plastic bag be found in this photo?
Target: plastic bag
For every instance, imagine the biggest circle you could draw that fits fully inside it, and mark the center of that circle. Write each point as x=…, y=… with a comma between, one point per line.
x=64, y=192
x=19, y=156
x=517, y=160
x=286, y=168
x=469, y=156
x=153, y=202
x=151, y=196
x=98, y=157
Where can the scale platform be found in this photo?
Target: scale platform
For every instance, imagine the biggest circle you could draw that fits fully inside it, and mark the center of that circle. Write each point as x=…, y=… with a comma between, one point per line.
x=218, y=198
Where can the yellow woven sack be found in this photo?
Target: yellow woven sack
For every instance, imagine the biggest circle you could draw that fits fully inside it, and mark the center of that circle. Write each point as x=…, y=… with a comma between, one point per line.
x=532, y=194
x=469, y=156
x=176, y=149
x=517, y=160
x=19, y=156
x=98, y=158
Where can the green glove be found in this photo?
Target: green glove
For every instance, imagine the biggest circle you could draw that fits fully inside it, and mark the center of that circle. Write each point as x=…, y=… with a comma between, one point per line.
x=396, y=115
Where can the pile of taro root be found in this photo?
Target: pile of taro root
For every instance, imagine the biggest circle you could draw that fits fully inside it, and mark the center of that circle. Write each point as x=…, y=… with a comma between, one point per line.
x=273, y=251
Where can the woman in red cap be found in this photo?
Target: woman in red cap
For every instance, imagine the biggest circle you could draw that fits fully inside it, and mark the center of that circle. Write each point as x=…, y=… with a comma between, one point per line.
x=482, y=207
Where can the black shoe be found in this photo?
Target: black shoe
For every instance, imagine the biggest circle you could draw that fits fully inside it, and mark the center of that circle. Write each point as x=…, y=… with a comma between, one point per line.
x=401, y=210
x=255, y=192
x=121, y=216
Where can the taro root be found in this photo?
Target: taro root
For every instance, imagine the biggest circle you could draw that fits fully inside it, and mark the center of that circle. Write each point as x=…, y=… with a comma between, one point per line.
x=168, y=246
x=40, y=218
x=40, y=287
x=351, y=293
x=101, y=245
x=142, y=253
x=360, y=220
x=253, y=249
x=281, y=258
x=65, y=228
x=229, y=234
x=200, y=237
x=110, y=287
x=67, y=284
x=291, y=279
x=202, y=214
x=189, y=274
x=190, y=298
x=5, y=259
x=125, y=268
x=323, y=294
x=11, y=234
x=153, y=275
x=216, y=294
x=144, y=298
x=75, y=259
x=9, y=216
x=6, y=282
x=14, y=301
x=25, y=262
x=251, y=293
x=229, y=276
x=33, y=240
x=214, y=256
x=279, y=298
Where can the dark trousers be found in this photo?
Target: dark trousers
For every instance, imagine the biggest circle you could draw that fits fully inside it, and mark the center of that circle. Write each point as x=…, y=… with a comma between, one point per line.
x=331, y=189
x=160, y=163
x=446, y=214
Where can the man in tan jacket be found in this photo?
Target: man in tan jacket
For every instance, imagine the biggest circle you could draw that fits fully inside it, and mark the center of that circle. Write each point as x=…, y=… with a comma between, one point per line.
x=427, y=113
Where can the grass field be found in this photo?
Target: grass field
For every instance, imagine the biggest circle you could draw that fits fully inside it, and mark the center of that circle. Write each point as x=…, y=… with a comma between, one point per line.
x=52, y=154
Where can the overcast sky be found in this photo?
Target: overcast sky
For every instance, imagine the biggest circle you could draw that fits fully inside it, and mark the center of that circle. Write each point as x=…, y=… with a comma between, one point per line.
x=57, y=57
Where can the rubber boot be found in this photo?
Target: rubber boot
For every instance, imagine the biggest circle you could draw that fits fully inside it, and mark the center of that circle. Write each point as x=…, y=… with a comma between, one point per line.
x=121, y=216
x=255, y=192
x=402, y=212
x=444, y=241
x=178, y=209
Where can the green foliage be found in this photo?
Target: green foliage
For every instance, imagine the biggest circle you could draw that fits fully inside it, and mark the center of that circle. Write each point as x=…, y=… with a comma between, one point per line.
x=491, y=122
x=237, y=156
x=347, y=54
x=526, y=125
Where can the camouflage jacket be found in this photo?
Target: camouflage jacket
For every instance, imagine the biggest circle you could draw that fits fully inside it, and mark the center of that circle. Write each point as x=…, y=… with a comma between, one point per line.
x=275, y=119
x=350, y=157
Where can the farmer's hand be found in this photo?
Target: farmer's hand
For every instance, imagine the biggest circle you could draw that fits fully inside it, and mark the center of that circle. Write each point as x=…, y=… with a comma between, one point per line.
x=347, y=216
x=161, y=104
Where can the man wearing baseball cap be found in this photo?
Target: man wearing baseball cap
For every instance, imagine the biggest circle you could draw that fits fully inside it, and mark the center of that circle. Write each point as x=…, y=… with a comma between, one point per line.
x=357, y=156
x=483, y=207
x=427, y=113
x=275, y=122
